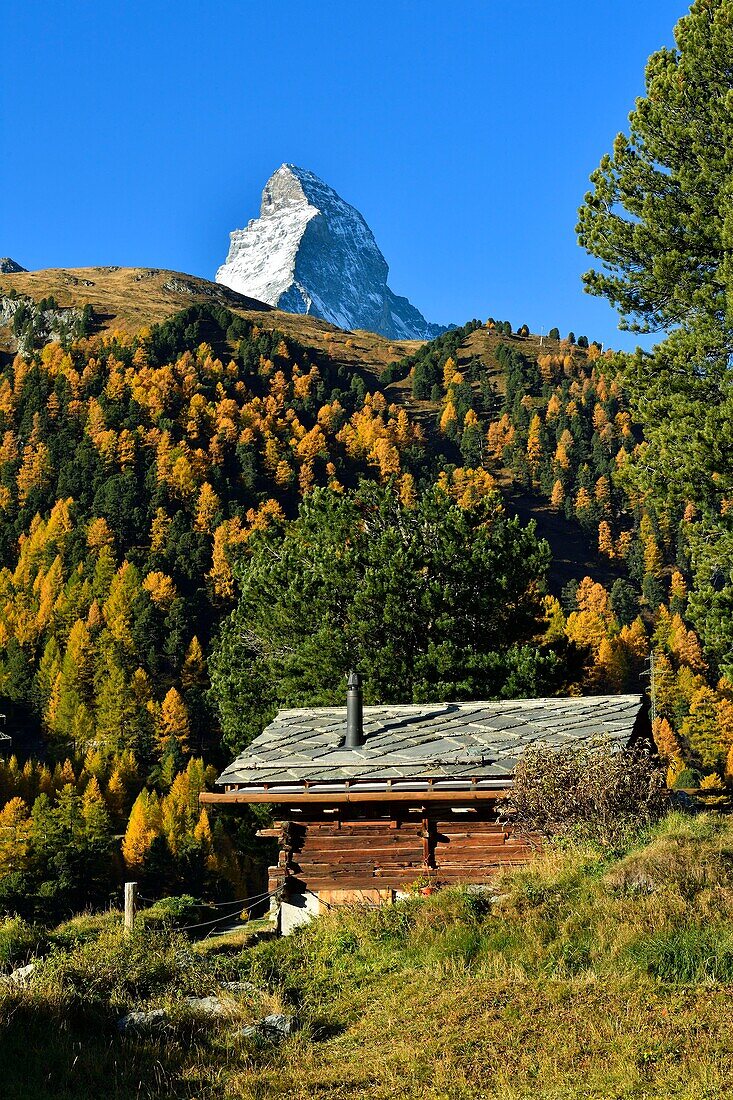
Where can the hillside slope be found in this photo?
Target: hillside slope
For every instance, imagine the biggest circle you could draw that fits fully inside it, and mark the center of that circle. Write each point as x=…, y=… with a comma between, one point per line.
x=131, y=299
x=136, y=465
x=589, y=976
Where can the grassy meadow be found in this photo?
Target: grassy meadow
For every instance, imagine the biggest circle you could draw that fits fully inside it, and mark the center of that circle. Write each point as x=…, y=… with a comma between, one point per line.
x=585, y=975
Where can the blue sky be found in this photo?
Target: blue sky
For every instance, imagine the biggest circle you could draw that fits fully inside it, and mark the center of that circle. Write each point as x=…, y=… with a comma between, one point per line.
x=139, y=133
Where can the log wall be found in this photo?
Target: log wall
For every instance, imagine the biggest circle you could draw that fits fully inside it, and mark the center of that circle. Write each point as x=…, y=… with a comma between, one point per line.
x=390, y=854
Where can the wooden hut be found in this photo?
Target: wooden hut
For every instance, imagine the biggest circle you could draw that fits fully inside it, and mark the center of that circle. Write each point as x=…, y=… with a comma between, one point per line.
x=370, y=800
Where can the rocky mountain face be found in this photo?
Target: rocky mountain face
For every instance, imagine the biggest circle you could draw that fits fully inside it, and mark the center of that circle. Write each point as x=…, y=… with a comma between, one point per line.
x=311, y=252
x=8, y=266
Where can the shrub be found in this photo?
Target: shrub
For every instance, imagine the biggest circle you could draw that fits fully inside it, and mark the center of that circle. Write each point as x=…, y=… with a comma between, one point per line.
x=19, y=941
x=120, y=967
x=180, y=912
x=688, y=779
x=84, y=928
x=596, y=792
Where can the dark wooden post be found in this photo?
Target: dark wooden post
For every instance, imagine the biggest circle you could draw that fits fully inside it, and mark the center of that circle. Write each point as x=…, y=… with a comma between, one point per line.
x=130, y=905
x=428, y=841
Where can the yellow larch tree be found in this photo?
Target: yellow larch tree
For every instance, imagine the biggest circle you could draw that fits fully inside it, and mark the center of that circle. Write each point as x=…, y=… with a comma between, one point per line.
x=557, y=497
x=534, y=441
x=449, y=371
x=126, y=449
x=143, y=827
x=117, y=795
x=15, y=832
x=554, y=407
x=602, y=493
x=174, y=723
x=499, y=436
x=193, y=671
x=118, y=607
x=666, y=740
x=605, y=539
x=34, y=471
x=700, y=727
x=99, y=534
x=677, y=587
x=202, y=832
x=408, y=495
x=207, y=507
x=385, y=456
x=227, y=534
x=161, y=589
x=159, y=530
x=583, y=501
x=448, y=419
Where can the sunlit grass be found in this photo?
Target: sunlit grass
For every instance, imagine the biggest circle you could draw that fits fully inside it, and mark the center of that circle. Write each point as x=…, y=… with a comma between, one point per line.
x=582, y=975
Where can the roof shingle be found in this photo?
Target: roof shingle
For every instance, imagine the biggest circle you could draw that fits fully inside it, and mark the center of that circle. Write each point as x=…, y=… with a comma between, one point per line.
x=478, y=741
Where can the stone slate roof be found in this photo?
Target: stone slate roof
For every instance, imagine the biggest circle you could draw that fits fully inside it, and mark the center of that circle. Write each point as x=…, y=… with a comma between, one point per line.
x=452, y=745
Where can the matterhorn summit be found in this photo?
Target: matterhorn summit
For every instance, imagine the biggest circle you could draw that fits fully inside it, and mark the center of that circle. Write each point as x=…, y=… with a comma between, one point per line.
x=310, y=252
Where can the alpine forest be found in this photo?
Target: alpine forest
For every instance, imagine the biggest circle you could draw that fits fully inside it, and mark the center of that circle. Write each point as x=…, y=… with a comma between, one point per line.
x=175, y=504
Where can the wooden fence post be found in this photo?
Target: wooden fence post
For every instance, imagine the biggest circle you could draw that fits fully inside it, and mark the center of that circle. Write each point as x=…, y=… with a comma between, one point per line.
x=130, y=905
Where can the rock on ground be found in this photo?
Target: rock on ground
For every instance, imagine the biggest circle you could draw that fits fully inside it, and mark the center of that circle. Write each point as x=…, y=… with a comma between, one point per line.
x=207, y=1006
x=150, y=1020
x=22, y=976
x=271, y=1028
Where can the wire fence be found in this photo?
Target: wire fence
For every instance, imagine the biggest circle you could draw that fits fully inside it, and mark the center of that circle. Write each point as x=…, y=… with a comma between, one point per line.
x=212, y=924
x=212, y=904
x=232, y=907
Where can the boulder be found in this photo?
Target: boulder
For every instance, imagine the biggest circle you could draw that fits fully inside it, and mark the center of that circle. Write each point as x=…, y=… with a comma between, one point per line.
x=272, y=1029
x=152, y=1019
x=22, y=976
x=207, y=1006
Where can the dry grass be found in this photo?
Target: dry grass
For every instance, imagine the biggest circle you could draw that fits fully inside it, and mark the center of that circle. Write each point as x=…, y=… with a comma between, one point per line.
x=133, y=298
x=466, y=1037
x=588, y=977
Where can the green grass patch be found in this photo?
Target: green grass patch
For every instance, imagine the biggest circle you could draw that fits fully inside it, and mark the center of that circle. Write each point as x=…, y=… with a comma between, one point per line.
x=581, y=976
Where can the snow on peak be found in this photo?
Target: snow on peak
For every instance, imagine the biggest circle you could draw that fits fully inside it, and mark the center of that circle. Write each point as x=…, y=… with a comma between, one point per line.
x=309, y=251
x=9, y=267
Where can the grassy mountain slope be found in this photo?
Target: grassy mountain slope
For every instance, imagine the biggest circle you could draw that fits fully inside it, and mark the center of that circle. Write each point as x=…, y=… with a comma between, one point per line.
x=585, y=977
x=134, y=298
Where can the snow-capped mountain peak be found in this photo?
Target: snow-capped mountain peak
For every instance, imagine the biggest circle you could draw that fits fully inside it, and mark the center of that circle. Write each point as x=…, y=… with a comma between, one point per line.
x=309, y=251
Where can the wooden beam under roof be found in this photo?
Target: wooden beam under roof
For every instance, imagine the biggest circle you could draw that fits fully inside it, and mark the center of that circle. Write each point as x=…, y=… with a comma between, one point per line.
x=304, y=798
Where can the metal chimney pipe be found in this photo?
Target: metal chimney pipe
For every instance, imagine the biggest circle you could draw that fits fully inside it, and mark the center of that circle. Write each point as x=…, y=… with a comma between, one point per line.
x=354, y=712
